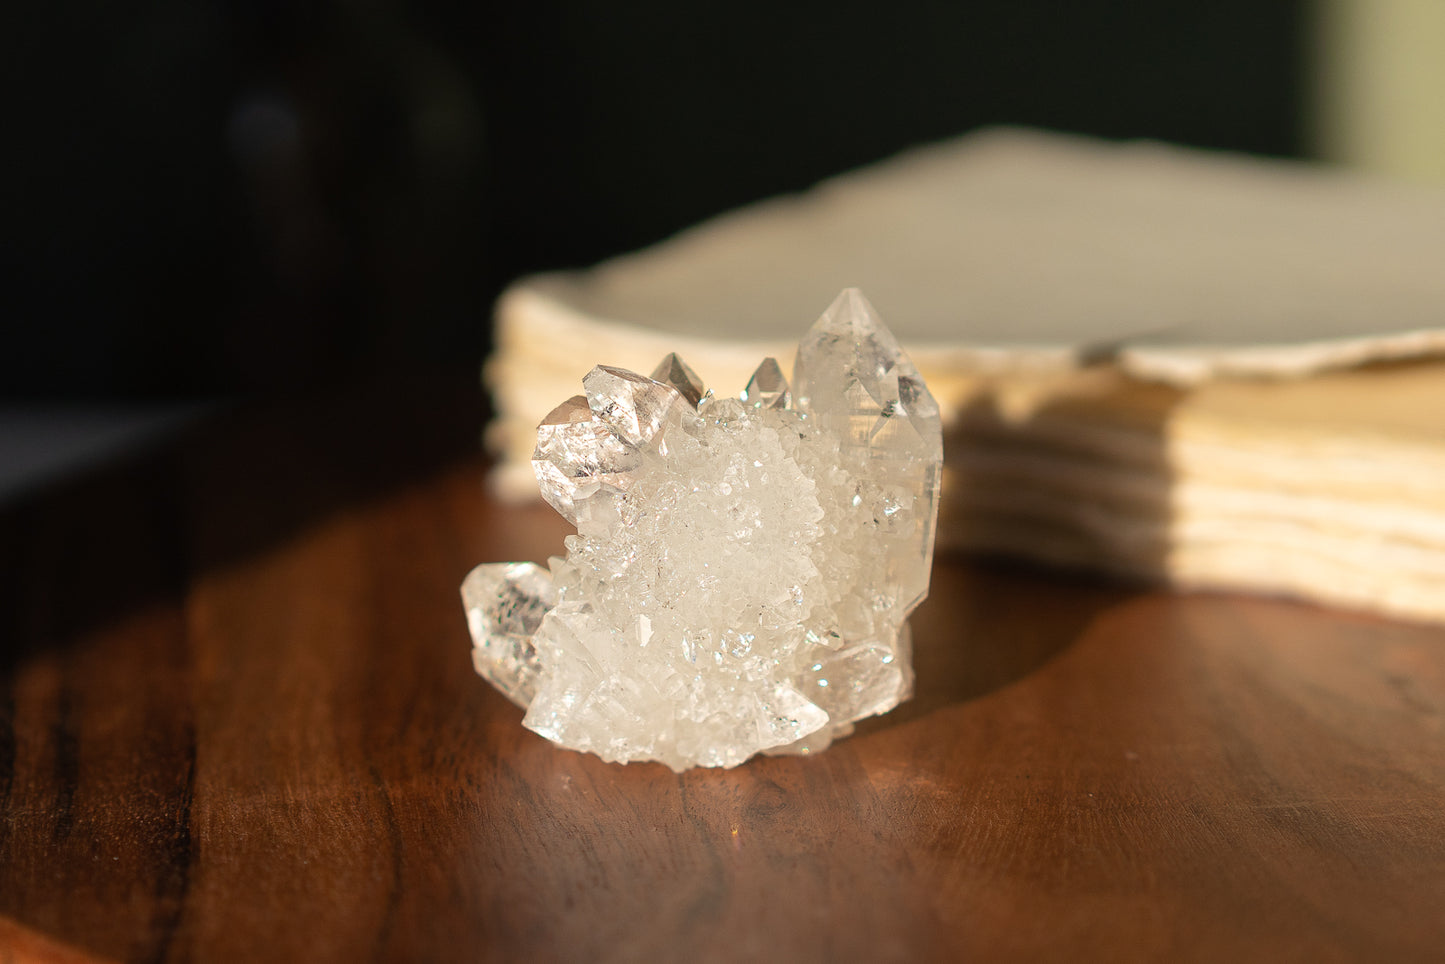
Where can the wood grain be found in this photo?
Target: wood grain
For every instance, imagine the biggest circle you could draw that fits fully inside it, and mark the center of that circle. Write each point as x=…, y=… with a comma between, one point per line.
x=238, y=722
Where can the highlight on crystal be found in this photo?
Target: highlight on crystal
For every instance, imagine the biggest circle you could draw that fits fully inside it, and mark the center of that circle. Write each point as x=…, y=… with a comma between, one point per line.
x=744, y=565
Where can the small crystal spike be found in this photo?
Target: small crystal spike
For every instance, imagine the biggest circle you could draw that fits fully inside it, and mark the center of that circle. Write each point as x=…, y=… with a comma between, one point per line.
x=578, y=457
x=673, y=371
x=505, y=604
x=768, y=388
x=744, y=566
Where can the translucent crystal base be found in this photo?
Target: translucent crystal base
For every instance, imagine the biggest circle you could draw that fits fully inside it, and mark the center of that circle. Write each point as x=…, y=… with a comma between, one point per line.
x=743, y=567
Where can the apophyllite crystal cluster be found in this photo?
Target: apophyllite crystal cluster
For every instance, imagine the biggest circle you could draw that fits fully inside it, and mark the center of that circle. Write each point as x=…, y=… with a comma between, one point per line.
x=743, y=567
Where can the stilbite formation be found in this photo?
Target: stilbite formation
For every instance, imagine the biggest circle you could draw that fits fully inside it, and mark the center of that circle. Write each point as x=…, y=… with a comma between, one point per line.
x=743, y=567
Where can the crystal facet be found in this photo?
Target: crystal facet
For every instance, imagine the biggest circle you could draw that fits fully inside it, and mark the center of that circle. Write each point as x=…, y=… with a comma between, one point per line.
x=579, y=458
x=743, y=568
x=767, y=388
x=505, y=603
x=634, y=406
x=673, y=371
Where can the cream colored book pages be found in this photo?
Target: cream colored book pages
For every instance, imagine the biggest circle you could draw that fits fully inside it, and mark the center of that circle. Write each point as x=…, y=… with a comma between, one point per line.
x=1152, y=361
x=1330, y=488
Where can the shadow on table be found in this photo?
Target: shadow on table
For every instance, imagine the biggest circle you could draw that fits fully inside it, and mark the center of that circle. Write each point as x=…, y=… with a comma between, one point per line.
x=990, y=621
x=1079, y=484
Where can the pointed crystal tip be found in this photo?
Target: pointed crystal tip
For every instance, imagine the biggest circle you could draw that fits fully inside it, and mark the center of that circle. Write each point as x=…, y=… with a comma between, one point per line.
x=768, y=388
x=673, y=371
x=575, y=409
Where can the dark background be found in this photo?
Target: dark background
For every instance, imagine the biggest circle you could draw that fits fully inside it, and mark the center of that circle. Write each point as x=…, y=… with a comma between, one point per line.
x=205, y=198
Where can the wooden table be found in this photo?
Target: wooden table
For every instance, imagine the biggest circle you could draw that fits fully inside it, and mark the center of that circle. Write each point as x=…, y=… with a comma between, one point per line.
x=238, y=722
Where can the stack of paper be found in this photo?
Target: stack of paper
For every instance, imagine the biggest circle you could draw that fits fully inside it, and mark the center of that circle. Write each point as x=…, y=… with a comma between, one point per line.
x=1204, y=369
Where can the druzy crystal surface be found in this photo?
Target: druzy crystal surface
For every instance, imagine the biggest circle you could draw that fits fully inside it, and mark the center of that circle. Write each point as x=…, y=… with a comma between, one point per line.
x=743, y=567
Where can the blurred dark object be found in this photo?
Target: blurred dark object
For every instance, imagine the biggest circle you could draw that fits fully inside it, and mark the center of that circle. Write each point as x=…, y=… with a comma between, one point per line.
x=208, y=198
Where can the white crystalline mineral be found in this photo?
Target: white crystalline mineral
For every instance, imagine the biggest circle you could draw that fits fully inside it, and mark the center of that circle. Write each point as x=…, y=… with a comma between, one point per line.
x=743, y=567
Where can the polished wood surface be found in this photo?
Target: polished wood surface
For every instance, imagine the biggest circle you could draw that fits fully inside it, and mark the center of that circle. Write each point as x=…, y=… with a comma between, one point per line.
x=238, y=722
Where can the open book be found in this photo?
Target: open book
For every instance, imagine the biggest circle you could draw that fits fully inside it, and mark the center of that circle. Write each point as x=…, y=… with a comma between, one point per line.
x=1209, y=370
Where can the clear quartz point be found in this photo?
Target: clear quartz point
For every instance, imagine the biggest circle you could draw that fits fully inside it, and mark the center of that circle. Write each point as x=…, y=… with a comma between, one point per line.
x=673, y=371
x=855, y=381
x=578, y=458
x=767, y=388
x=744, y=566
x=634, y=406
x=505, y=604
